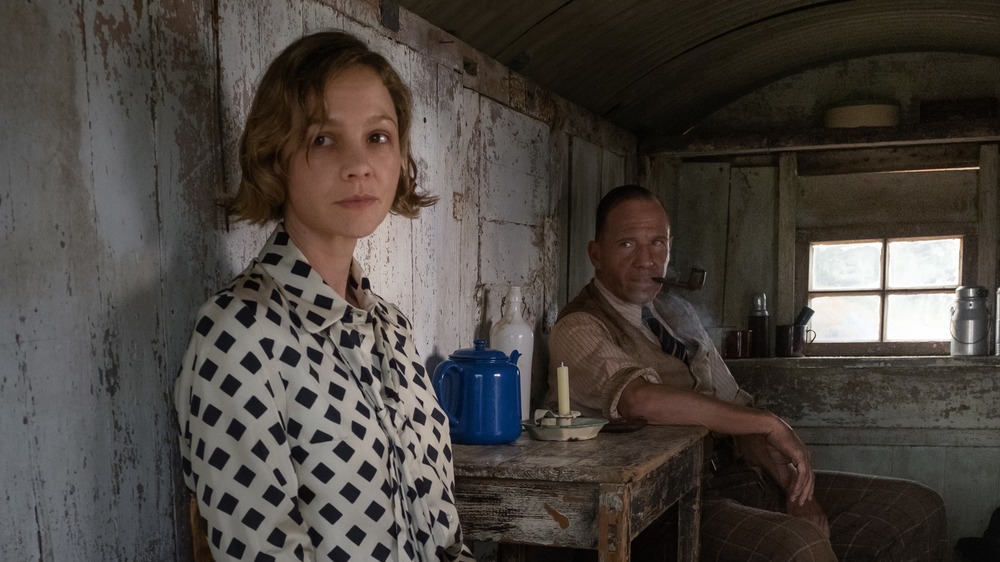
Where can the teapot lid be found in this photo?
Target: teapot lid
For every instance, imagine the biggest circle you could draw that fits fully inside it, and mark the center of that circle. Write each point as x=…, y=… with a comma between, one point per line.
x=480, y=353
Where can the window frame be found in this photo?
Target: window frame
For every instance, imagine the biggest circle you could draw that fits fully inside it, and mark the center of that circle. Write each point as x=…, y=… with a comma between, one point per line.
x=803, y=239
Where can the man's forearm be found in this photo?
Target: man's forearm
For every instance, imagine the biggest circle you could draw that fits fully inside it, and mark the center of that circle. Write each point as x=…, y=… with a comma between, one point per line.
x=661, y=404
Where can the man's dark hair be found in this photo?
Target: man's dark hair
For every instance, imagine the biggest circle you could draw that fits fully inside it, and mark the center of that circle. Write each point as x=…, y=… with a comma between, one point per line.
x=617, y=196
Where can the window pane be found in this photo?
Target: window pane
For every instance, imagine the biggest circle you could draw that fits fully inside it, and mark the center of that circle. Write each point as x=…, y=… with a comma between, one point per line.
x=924, y=263
x=919, y=317
x=851, y=265
x=848, y=318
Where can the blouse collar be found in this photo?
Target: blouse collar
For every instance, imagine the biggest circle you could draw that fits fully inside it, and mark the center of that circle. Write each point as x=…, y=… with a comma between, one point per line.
x=316, y=303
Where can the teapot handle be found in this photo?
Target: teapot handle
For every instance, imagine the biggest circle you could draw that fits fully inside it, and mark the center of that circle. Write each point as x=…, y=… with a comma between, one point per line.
x=449, y=392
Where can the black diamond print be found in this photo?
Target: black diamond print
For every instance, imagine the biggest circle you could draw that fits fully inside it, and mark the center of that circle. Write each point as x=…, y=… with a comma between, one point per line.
x=251, y=285
x=306, y=397
x=332, y=414
x=375, y=511
x=330, y=513
x=278, y=477
x=227, y=504
x=267, y=344
x=261, y=557
x=336, y=391
x=338, y=555
x=218, y=459
x=294, y=428
x=260, y=451
x=381, y=553
x=271, y=258
x=314, y=355
x=251, y=363
x=273, y=316
x=356, y=535
x=230, y=385
x=255, y=407
x=245, y=476
x=323, y=302
x=236, y=429
x=301, y=268
x=253, y=519
x=236, y=549
x=344, y=451
x=320, y=437
x=315, y=318
x=211, y=415
x=246, y=314
x=350, y=492
x=322, y=473
x=208, y=369
x=204, y=325
x=274, y=496
x=290, y=357
x=299, y=454
x=277, y=432
x=314, y=537
x=224, y=341
x=306, y=494
x=277, y=538
x=367, y=471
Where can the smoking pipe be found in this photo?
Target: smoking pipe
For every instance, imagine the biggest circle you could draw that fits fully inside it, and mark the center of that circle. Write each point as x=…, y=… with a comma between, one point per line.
x=695, y=280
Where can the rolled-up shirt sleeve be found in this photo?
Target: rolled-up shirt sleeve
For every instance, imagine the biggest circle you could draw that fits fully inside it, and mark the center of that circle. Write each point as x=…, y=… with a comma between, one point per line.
x=599, y=370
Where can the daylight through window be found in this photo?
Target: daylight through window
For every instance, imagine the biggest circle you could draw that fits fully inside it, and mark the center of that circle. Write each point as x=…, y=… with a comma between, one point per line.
x=884, y=290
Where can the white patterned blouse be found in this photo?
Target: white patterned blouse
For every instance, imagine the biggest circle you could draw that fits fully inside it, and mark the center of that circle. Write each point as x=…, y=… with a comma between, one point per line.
x=308, y=427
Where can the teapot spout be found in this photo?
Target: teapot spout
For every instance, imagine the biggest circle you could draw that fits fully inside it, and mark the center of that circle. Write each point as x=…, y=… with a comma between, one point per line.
x=514, y=355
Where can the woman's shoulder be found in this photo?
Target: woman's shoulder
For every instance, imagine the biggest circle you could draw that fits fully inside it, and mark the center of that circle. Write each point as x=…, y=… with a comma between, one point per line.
x=250, y=297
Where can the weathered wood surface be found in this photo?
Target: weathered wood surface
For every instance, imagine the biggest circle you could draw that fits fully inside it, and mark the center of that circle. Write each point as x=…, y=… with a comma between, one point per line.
x=598, y=493
x=935, y=420
x=901, y=392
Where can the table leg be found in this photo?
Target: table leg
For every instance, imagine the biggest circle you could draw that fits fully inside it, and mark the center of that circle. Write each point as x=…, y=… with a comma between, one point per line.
x=689, y=525
x=614, y=523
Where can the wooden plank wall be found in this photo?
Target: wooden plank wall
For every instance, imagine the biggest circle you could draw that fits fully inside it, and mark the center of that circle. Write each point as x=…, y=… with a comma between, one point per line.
x=120, y=121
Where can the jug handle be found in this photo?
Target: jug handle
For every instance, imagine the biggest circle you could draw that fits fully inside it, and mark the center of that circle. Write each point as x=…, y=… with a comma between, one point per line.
x=451, y=404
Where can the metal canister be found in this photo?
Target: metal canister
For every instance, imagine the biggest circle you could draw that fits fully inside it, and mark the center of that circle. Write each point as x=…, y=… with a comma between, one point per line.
x=970, y=322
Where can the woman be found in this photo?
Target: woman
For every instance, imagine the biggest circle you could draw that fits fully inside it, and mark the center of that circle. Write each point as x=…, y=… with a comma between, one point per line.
x=309, y=428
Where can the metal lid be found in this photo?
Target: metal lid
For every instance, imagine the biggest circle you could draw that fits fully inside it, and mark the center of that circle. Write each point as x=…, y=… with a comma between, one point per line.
x=971, y=292
x=480, y=353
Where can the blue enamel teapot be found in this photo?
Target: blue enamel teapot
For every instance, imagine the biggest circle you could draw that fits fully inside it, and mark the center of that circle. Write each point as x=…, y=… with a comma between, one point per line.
x=480, y=390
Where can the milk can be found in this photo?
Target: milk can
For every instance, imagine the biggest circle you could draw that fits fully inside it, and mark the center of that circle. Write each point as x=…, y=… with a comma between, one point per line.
x=970, y=322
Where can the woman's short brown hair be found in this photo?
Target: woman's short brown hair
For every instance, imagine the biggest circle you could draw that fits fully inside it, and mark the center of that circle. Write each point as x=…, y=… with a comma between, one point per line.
x=289, y=97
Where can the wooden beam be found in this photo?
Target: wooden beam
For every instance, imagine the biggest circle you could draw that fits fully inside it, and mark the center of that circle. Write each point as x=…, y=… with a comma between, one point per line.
x=788, y=193
x=989, y=231
x=819, y=139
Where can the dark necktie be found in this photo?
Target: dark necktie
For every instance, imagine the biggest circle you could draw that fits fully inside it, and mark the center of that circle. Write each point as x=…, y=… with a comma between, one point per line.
x=669, y=343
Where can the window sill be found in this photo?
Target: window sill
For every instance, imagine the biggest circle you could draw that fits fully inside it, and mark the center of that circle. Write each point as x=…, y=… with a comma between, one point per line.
x=868, y=362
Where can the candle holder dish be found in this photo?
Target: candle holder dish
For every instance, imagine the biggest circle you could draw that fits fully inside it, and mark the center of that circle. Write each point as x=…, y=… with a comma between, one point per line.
x=552, y=426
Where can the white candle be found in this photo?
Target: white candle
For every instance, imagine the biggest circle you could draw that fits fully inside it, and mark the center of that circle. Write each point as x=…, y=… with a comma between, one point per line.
x=562, y=385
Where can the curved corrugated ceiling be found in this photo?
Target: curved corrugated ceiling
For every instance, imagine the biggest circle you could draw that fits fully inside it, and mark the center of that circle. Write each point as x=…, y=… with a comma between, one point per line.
x=660, y=66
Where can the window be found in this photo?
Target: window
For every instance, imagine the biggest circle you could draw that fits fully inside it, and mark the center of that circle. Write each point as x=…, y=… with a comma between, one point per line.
x=884, y=291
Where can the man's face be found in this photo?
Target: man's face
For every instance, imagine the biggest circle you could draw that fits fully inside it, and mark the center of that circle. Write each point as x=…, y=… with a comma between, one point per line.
x=634, y=248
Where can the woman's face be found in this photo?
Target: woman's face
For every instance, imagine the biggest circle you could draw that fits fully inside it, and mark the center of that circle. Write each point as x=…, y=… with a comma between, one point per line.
x=342, y=180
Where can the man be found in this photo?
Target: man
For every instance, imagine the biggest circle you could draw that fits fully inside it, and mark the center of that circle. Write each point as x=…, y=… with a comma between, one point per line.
x=634, y=351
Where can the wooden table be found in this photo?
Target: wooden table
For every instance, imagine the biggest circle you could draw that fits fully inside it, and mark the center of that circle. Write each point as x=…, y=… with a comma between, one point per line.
x=599, y=493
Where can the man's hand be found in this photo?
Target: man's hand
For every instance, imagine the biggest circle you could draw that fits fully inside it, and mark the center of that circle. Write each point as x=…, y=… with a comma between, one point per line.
x=784, y=439
x=784, y=457
x=812, y=512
